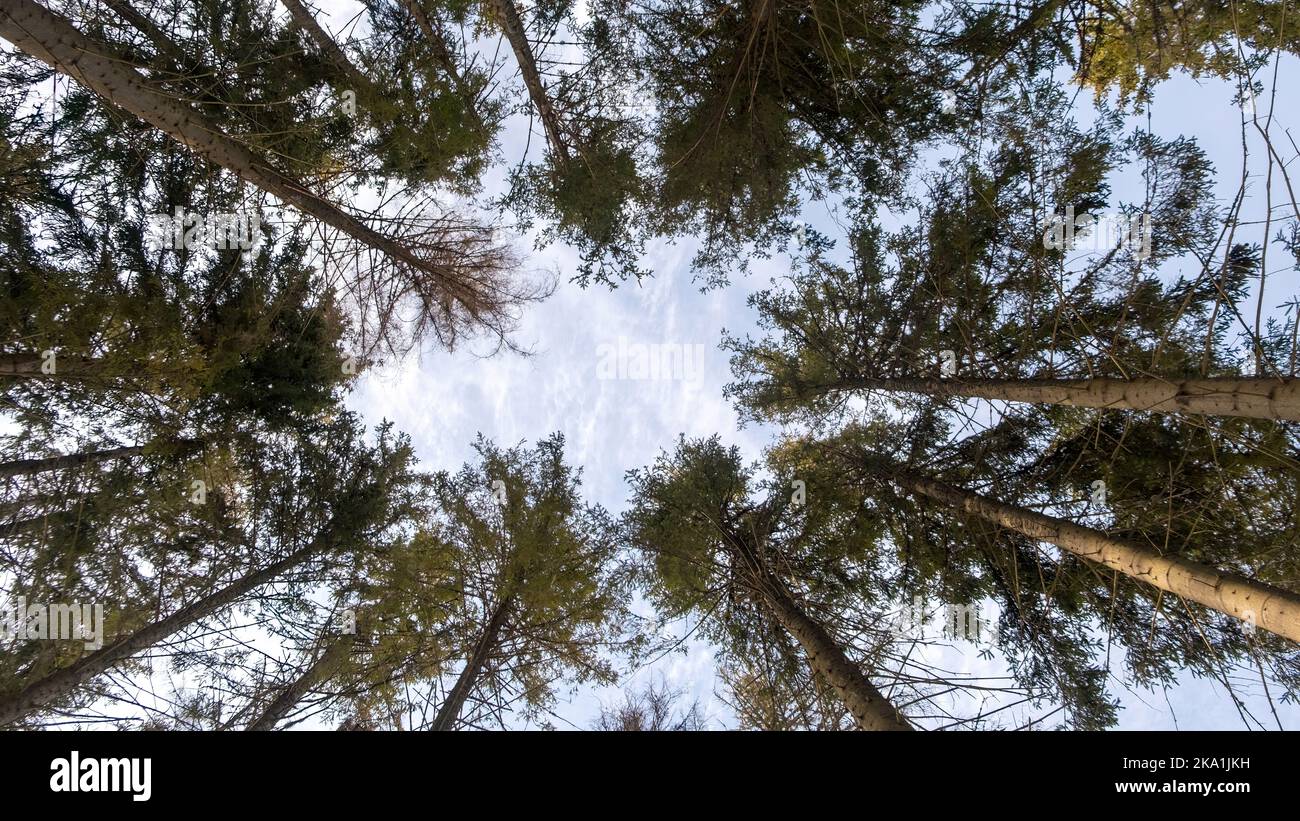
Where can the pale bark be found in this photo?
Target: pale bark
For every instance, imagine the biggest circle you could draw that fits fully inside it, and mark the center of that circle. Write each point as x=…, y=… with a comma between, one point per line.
x=51, y=38
x=1259, y=604
x=1250, y=397
x=29, y=467
x=316, y=672
x=486, y=645
x=508, y=15
x=62, y=682
x=328, y=48
x=868, y=706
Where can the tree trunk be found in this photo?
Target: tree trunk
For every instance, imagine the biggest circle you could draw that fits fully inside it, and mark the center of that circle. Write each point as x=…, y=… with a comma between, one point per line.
x=20, y=363
x=62, y=682
x=330, y=49
x=1251, y=397
x=449, y=712
x=508, y=14
x=1260, y=604
x=868, y=706
x=51, y=38
x=160, y=41
x=318, y=671
x=443, y=54
x=33, y=524
x=29, y=467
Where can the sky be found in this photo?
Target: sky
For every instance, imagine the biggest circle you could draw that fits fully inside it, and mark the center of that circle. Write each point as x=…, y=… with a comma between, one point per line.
x=613, y=424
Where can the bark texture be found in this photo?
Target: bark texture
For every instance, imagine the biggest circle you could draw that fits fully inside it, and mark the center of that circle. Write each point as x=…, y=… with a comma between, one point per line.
x=51, y=38
x=1251, y=397
x=62, y=682
x=451, y=707
x=315, y=673
x=868, y=706
x=508, y=14
x=1263, y=605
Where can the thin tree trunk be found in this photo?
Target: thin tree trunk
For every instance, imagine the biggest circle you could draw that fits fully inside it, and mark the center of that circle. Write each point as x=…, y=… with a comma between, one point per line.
x=508, y=14
x=449, y=712
x=1251, y=397
x=434, y=35
x=20, y=363
x=29, y=467
x=330, y=49
x=51, y=38
x=160, y=41
x=868, y=706
x=60, y=683
x=318, y=671
x=1260, y=604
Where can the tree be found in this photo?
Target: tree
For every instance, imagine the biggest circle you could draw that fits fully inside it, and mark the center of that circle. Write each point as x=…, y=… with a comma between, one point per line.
x=507, y=15
x=325, y=664
x=1063, y=613
x=457, y=277
x=1270, y=607
x=652, y=708
x=759, y=105
x=973, y=303
x=537, y=569
x=357, y=490
x=700, y=533
x=1133, y=47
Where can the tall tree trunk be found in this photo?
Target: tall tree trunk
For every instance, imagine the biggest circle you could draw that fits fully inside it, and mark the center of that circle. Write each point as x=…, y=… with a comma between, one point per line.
x=160, y=41
x=1269, y=607
x=29, y=467
x=316, y=672
x=64, y=681
x=449, y=712
x=433, y=34
x=1251, y=397
x=328, y=48
x=508, y=14
x=51, y=38
x=20, y=363
x=868, y=706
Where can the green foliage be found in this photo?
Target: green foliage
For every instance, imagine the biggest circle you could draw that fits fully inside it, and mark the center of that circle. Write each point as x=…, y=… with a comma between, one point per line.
x=1132, y=47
